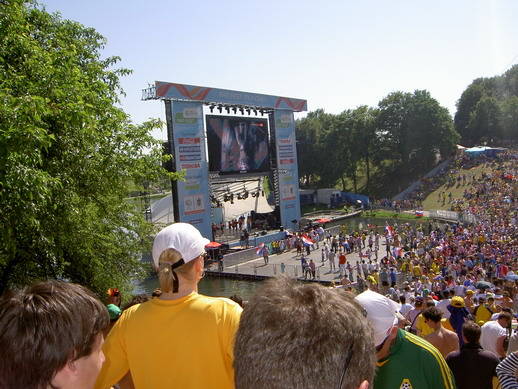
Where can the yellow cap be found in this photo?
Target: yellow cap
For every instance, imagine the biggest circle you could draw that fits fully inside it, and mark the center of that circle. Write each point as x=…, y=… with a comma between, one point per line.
x=458, y=302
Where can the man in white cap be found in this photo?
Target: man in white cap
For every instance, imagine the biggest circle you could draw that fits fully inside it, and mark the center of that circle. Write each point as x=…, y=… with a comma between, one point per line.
x=181, y=339
x=404, y=360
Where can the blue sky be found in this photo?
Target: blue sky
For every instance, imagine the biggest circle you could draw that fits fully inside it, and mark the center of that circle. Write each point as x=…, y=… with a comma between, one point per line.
x=335, y=54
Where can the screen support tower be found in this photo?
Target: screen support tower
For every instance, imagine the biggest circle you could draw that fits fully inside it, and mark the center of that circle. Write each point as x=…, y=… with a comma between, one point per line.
x=186, y=135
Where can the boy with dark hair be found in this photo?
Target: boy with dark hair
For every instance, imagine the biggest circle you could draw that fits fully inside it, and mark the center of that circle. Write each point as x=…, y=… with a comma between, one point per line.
x=444, y=340
x=294, y=335
x=51, y=336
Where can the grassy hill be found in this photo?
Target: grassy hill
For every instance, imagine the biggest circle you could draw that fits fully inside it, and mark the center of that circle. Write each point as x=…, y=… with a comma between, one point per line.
x=433, y=200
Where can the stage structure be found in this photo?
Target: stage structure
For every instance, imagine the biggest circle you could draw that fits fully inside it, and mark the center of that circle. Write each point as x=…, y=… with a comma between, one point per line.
x=219, y=150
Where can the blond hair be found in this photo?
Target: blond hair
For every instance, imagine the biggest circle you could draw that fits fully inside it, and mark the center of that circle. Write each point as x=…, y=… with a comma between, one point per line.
x=165, y=273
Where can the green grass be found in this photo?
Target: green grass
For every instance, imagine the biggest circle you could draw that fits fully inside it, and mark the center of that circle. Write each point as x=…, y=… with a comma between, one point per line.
x=381, y=213
x=433, y=202
x=304, y=209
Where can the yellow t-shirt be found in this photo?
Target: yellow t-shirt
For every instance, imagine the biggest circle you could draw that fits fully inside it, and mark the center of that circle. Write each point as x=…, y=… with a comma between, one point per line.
x=482, y=314
x=421, y=326
x=185, y=343
x=426, y=329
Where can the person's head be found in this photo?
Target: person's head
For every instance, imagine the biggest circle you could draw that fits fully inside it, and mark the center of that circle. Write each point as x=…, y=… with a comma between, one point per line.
x=306, y=329
x=237, y=299
x=457, y=302
x=51, y=336
x=178, y=252
x=137, y=299
x=402, y=299
x=471, y=332
x=432, y=316
x=505, y=319
x=419, y=301
x=381, y=314
x=114, y=296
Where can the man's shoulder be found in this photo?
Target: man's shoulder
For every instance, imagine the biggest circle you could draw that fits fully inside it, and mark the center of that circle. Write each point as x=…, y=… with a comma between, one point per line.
x=449, y=334
x=217, y=301
x=420, y=345
x=454, y=355
x=488, y=356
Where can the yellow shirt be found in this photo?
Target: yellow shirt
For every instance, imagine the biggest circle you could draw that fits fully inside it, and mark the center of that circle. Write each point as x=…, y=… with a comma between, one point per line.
x=421, y=326
x=426, y=329
x=482, y=314
x=185, y=343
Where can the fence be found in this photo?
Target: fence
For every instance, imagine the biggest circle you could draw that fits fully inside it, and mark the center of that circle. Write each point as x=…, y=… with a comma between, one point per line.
x=453, y=216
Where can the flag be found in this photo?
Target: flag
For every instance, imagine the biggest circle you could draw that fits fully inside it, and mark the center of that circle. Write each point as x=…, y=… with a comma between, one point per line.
x=306, y=240
x=419, y=213
x=259, y=249
x=389, y=230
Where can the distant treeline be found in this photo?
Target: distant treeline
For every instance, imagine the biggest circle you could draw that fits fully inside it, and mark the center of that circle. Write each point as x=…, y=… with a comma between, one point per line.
x=379, y=150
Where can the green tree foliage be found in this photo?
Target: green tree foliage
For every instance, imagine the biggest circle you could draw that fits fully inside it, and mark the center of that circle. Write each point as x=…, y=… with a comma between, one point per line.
x=399, y=140
x=509, y=118
x=310, y=132
x=415, y=130
x=66, y=154
x=487, y=111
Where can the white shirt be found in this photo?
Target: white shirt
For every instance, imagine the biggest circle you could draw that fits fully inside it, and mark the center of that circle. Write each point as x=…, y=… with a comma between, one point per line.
x=442, y=306
x=405, y=308
x=460, y=290
x=490, y=332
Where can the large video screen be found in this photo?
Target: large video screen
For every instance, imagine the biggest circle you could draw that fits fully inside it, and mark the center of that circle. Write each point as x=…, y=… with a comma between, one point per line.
x=237, y=145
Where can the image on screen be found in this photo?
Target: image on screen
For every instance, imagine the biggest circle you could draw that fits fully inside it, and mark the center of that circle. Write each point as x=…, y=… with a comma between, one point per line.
x=237, y=145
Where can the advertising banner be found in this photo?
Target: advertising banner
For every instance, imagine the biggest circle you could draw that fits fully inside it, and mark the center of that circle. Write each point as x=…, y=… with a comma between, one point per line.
x=190, y=155
x=288, y=167
x=174, y=91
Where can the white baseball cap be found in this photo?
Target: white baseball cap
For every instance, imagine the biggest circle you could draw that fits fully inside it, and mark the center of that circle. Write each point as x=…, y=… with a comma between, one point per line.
x=182, y=237
x=381, y=313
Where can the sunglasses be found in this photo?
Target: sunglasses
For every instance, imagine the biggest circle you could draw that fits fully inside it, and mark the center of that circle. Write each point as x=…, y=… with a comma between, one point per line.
x=348, y=357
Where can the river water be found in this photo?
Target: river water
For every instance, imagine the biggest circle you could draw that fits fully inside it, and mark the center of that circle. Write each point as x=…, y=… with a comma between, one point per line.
x=223, y=287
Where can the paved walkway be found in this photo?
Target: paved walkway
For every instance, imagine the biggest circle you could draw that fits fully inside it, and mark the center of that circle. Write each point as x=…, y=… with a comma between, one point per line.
x=289, y=263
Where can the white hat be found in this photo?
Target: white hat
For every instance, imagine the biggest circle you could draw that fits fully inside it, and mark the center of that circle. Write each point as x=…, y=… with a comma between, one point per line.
x=381, y=313
x=182, y=237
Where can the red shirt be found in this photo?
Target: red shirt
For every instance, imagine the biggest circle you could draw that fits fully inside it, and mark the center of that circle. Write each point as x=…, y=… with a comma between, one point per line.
x=341, y=259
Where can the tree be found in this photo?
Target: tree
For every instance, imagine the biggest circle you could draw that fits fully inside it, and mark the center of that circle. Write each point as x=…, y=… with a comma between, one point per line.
x=310, y=132
x=336, y=147
x=66, y=154
x=465, y=106
x=415, y=129
x=509, y=118
x=484, y=123
x=365, y=138
x=486, y=109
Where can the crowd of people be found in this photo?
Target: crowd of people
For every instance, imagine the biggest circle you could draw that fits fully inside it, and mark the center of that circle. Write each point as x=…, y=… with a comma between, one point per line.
x=435, y=310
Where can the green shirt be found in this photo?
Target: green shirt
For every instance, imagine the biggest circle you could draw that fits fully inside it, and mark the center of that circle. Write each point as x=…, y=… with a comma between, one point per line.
x=413, y=363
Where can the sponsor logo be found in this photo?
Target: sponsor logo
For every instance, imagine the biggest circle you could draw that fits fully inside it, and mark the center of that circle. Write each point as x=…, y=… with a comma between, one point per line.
x=189, y=166
x=181, y=119
x=188, y=141
x=191, y=113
